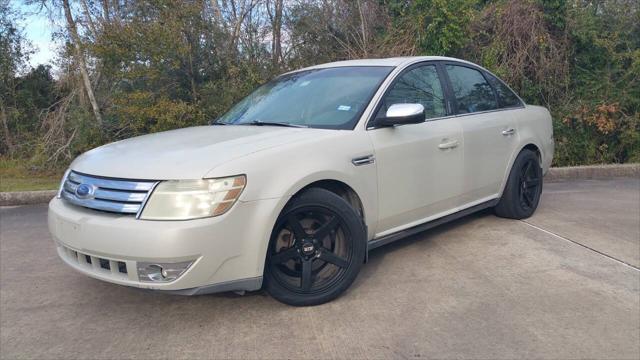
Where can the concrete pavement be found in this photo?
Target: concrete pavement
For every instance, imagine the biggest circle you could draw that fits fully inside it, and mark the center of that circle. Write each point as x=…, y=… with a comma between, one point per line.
x=602, y=215
x=563, y=284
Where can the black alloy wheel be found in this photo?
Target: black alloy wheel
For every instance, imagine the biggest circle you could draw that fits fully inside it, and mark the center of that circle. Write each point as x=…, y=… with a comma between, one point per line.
x=316, y=249
x=523, y=189
x=529, y=185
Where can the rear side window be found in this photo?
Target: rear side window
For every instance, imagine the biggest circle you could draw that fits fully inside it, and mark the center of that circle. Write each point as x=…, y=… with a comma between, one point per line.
x=420, y=85
x=472, y=92
x=506, y=97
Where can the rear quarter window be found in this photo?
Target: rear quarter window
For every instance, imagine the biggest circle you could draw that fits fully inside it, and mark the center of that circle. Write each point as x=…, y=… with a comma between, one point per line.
x=506, y=97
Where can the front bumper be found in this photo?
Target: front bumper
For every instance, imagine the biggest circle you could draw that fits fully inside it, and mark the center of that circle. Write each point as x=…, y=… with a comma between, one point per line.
x=228, y=251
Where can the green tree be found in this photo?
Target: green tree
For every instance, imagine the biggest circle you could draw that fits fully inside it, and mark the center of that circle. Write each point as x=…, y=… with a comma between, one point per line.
x=154, y=65
x=600, y=121
x=14, y=53
x=440, y=27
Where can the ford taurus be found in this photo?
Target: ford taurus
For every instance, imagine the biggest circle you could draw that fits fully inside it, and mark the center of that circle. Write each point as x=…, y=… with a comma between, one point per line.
x=293, y=186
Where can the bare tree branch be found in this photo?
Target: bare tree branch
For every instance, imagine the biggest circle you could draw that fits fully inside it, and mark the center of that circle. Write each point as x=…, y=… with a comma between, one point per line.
x=73, y=30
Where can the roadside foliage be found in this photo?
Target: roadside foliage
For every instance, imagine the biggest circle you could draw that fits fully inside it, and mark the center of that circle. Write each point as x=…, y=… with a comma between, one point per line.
x=134, y=67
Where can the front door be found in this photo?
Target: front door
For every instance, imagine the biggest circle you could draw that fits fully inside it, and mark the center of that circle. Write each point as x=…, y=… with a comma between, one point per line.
x=419, y=166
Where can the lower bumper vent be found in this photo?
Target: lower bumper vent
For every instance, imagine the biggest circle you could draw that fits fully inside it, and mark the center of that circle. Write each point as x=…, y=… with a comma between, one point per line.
x=103, y=266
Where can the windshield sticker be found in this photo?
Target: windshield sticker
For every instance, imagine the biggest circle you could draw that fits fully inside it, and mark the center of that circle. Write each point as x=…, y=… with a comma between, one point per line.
x=344, y=108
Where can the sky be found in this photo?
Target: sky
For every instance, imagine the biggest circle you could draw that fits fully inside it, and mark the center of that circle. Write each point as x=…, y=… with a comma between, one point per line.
x=38, y=29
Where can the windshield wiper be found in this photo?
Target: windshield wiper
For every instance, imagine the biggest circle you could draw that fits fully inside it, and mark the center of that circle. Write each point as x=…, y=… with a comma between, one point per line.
x=216, y=122
x=273, y=123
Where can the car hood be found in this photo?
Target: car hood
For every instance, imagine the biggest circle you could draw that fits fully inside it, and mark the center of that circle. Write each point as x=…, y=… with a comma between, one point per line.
x=187, y=153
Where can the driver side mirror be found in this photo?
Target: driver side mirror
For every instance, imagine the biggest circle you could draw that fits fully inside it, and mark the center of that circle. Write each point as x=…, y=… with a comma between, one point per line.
x=402, y=114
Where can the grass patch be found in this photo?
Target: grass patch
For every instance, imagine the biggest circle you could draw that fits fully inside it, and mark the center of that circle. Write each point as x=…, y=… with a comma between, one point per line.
x=16, y=175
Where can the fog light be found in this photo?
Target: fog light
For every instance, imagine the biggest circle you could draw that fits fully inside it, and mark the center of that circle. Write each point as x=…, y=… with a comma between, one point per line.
x=161, y=272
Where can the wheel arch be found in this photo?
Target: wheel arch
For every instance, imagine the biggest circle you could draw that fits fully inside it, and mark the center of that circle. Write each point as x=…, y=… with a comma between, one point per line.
x=341, y=189
x=528, y=145
x=360, y=198
x=533, y=147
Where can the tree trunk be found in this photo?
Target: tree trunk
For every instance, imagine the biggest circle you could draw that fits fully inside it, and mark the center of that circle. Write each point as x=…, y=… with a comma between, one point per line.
x=217, y=14
x=87, y=15
x=192, y=77
x=245, y=9
x=363, y=29
x=5, y=127
x=276, y=43
x=235, y=35
x=73, y=30
x=106, y=16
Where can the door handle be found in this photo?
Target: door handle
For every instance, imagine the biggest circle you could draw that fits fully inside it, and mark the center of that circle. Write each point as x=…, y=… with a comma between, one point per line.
x=363, y=160
x=509, y=131
x=448, y=145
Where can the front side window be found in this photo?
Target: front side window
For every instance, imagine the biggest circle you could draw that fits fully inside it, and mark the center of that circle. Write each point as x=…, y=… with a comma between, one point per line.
x=420, y=85
x=331, y=98
x=472, y=92
x=506, y=97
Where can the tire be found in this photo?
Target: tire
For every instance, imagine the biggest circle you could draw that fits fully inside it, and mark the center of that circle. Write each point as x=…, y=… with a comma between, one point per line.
x=524, y=186
x=316, y=250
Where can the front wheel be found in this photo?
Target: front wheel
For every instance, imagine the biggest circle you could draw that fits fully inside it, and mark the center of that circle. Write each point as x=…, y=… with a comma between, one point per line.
x=524, y=186
x=316, y=249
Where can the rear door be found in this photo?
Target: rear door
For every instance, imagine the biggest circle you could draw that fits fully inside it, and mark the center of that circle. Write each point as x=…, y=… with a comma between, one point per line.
x=419, y=166
x=489, y=132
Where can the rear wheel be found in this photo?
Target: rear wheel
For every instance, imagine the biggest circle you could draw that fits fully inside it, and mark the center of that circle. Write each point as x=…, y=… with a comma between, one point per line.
x=524, y=186
x=316, y=249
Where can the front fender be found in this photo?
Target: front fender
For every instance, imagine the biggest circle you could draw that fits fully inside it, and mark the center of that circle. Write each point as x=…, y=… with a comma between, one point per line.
x=279, y=173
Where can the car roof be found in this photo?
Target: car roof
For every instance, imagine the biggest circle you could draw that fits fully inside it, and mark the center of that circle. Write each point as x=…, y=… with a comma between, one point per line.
x=394, y=62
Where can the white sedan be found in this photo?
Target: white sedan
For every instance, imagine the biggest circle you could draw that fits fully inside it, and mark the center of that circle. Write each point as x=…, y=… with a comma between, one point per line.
x=292, y=187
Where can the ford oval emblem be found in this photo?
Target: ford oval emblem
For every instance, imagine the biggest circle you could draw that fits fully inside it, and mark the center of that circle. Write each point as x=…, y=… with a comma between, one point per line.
x=84, y=191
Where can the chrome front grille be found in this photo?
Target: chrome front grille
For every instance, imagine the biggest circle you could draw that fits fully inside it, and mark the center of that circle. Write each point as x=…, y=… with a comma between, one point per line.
x=106, y=194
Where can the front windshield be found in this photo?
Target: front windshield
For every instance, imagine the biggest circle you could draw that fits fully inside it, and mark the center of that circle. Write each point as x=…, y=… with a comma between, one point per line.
x=331, y=98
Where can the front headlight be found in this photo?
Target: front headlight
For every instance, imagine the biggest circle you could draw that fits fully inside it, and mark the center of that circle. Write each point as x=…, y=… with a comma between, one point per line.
x=193, y=199
x=61, y=188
